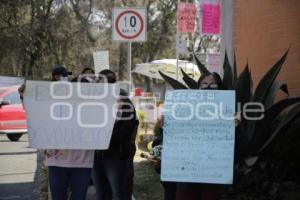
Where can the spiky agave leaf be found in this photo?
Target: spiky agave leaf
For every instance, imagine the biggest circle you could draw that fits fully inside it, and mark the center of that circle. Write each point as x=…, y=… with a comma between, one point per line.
x=268, y=79
x=243, y=87
x=174, y=83
x=201, y=67
x=235, y=76
x=262, y=129
x=262, y=90
x=190, y=82
x=228, y=75
x=278, y=85
x=284, y=123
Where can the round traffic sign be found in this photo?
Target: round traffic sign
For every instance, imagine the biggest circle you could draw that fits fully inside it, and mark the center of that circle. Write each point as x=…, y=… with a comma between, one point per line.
x=135, y=27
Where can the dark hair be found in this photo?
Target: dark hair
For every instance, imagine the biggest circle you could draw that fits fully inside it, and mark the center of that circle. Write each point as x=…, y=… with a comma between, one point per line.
x=110, y=75
x=87, y=69
x=82, y=79
x=217, y=78
x=59, y=70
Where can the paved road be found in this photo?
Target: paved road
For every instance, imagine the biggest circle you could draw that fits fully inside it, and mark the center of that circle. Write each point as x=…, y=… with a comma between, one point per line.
x=17, y=169
x=20, y=172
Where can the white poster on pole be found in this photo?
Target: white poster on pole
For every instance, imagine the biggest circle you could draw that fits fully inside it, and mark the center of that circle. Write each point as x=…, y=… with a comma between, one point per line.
x=199, y=134
x=181, y=45
x=64, y=115
x=214, y=62
x=101, y=60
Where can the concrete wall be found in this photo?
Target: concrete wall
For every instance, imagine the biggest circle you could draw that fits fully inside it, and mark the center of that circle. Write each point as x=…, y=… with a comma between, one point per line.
x=263, y=31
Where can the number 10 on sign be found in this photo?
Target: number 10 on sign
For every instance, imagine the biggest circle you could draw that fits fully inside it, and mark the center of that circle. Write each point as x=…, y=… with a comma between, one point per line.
x=129, y=24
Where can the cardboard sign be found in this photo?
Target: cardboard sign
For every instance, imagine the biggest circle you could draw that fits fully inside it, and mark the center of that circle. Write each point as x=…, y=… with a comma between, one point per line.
x=211, y=18
x=198, y=145
x=186, y=17
x=64, y=115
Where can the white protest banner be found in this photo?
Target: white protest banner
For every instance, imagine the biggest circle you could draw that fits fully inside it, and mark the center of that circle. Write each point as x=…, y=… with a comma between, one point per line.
x=198, y=145
x=214, y=62
x=6, y=81
x=64, y=115
x=181, y=45
x=101, y=60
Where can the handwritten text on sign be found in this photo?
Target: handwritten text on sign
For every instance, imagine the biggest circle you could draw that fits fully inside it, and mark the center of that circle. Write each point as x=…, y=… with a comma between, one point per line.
x=63, y=115
x=198, y=144
x=186, y=17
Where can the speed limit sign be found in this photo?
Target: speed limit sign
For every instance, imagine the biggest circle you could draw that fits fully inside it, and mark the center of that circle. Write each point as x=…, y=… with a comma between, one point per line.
x=129, y=24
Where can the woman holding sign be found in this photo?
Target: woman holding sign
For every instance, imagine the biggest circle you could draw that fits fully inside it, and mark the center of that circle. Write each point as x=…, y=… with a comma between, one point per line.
x=67, y=167
x=195, y=191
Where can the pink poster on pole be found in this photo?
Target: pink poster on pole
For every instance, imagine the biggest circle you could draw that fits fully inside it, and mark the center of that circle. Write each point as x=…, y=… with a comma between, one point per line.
x=186, y=16
x=214, y=63
x=211, y=17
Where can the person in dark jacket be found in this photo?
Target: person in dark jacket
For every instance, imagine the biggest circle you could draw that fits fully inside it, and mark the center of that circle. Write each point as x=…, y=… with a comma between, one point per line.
x=110, y=172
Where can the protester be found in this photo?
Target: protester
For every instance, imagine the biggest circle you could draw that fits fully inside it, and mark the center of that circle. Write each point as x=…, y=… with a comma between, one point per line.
x=67, y=167
x=196, y=191
x=211, y=81
x=86, y=75
x=113, y=168
x=108, y=76
x=155, y=157
x=88, y=71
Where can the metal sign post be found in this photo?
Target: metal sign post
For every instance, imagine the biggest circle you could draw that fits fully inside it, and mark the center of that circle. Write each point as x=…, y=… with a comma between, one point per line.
x=129, y=61
x=129, y=25
x=177, y=35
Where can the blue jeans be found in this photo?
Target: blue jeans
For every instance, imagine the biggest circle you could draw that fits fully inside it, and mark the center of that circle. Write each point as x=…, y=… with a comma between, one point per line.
x=60, y=178
x=108, y=177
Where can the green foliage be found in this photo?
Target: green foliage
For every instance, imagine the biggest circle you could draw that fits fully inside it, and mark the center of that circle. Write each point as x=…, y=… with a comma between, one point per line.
x=228, y=75
x=42, y=33
x=35, y=35
x=174, y=83
x=201, y=67
x=243, y=87
x=141, y=115
x=161, y=32
x=278, y=85
x=190, y=82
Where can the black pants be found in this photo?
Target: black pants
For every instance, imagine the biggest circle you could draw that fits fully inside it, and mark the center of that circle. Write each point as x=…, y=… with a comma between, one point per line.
x=169, y=190
x=108, y=176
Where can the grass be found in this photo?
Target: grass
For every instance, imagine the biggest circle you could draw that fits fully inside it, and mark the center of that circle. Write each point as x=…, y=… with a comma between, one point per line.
x=146, y=181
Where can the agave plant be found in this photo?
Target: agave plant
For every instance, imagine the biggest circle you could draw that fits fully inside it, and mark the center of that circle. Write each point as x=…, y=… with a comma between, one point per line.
x=256, y=139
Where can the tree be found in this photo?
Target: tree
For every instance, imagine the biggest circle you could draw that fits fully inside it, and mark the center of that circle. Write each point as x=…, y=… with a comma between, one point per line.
x=37, y=34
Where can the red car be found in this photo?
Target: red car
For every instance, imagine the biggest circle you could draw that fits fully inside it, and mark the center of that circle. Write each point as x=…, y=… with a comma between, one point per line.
x=12, y=114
